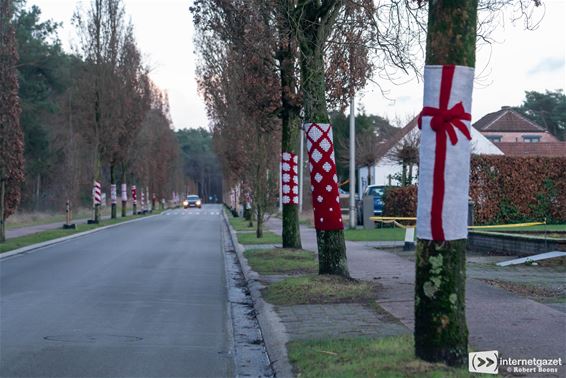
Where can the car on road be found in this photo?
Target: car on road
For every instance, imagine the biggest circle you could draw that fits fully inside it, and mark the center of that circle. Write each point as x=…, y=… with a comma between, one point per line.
x=192, y=201
x=376, y=191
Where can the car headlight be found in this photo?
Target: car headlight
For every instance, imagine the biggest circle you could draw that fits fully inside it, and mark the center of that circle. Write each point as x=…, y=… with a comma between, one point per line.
x=198, y=203
x=185, y=203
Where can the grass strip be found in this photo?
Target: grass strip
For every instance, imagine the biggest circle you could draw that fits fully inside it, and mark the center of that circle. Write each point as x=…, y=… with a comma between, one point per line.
x=376, y=234
x=240, y=224
x=363, y=357
x=319, y=289
x=282, y=261
x=43, y=236
x=268, y=238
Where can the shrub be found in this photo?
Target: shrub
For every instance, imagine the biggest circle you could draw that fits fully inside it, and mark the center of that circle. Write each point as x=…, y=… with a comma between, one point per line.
x=400, y=201
x=504, y=190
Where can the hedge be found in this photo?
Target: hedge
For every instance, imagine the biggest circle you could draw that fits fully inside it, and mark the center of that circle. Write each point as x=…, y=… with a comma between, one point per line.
x=504, y=190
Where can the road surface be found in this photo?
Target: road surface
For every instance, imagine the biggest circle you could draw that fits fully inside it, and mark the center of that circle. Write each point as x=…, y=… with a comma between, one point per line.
x=145, y=299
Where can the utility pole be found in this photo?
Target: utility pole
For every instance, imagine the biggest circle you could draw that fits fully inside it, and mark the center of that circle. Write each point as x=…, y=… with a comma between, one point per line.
x=352, y=163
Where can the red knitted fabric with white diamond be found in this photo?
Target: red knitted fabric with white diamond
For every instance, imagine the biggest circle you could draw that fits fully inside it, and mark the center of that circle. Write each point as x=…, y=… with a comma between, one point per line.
x=290, y=178
x=325, y=197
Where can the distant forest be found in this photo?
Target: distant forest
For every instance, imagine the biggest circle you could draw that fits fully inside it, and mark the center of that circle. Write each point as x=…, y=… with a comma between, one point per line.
x=96, y=114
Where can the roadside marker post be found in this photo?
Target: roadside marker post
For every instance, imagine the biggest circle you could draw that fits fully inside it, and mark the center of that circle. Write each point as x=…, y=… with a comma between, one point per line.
x=96, y=201
x=69, y=216
x=409, y=239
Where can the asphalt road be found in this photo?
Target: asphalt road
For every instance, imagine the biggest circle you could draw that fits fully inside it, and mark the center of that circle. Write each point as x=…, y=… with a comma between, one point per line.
x=145, y=299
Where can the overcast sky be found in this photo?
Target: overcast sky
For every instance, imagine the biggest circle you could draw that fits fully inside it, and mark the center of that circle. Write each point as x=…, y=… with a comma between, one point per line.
x=519, y=60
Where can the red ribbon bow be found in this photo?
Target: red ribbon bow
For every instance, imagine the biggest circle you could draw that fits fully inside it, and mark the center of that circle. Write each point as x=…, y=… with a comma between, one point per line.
x=444, y=122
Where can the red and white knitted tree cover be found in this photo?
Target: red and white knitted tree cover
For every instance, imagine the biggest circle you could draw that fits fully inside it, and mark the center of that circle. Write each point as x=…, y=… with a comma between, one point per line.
x=324, y=181
x=96, y=193
x=124, y=192
x=113, y=193
x=444, y=167
x=290, y=178
x=134, y=195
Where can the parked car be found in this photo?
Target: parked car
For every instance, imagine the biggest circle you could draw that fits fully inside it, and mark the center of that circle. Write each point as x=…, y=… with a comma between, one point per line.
x=377, y=192
x=192, y=201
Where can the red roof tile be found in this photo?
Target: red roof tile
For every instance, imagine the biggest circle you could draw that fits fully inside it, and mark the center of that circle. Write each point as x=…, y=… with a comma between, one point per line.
x=553, y=149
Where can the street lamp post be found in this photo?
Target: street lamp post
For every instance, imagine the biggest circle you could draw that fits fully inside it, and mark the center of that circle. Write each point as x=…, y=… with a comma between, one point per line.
x=352, y=163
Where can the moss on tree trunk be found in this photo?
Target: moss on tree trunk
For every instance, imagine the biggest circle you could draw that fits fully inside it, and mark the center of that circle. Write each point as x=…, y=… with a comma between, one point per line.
x=290, y=132
x=441, y=333
x=332, y=253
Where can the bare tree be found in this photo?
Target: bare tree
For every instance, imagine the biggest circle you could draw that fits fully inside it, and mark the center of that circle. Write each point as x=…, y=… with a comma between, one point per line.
x=406, y=154
x=101, y=32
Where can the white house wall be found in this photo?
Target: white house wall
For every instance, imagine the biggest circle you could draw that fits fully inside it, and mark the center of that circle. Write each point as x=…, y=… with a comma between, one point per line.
x=385, y=167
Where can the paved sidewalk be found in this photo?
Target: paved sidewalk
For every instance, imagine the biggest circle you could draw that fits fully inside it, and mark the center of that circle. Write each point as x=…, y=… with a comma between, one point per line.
x=497, y=320
x=340, y=320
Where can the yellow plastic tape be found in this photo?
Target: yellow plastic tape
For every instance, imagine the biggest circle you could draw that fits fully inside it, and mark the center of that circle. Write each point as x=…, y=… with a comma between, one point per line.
x=395, y=219
x=509, y=225
x=391, y=218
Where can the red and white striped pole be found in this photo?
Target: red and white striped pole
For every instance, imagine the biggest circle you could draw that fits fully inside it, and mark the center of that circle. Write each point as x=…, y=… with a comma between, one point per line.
x=96, y=199
x=96, y=194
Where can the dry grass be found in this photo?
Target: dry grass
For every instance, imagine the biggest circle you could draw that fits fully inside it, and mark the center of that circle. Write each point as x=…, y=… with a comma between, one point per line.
x=25, y=219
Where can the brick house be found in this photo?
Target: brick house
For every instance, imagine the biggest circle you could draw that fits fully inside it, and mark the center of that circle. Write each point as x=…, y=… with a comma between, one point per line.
x=516, y=135
x=508, y=126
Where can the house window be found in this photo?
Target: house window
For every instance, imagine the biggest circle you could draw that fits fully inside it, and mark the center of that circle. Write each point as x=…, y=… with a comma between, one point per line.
x=531, y=138
x=494, y=138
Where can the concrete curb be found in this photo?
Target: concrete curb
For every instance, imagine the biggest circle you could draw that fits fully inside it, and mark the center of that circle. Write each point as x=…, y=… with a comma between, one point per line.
x=273, y=329
x=34, y=247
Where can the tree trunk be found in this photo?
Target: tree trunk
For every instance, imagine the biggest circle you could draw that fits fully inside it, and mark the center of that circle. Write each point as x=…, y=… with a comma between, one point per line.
x=113, y=182
x=37, y=192
x=259, y=222
x=441, y=333
x=404, y=175
x=2, y=205
x=331, y=244
x=124, y=203
x=290, y=131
